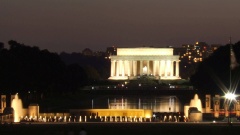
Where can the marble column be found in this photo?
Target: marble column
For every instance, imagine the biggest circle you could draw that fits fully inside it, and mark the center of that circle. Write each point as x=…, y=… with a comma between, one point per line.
x=162, y=64
x=171, y=68
x=141, y=67
x=117, y=72
x=148, y=67
x=129, y=68
x=154, y=67
x=113, y=68
x=134, y=68
x=122, y=68
x=165, y=68
x=126, y=68
x=160, y=68
x=177, y=68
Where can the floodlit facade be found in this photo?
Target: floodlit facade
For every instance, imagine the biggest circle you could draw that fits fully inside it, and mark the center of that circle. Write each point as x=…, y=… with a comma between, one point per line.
x=129, y=63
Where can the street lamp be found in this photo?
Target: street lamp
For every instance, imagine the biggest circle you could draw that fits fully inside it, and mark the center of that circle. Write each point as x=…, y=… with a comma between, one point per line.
x=229, y=98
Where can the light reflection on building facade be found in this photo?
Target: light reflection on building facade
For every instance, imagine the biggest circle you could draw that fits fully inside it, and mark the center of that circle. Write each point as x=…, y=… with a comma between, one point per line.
x=156, y=62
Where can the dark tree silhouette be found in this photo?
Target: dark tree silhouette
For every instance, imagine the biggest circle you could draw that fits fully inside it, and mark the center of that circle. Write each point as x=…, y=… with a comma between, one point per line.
x=97, y=63
x=25, y=68
x=1, y=45
x=76, y=77
x=29, y=69
x=92, y=74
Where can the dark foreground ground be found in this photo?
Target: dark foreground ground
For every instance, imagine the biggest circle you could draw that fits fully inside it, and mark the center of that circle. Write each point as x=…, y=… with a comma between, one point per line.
x=122, y=129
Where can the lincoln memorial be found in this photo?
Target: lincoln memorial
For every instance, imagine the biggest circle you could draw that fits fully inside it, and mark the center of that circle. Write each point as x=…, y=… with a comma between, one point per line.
x=130, y=63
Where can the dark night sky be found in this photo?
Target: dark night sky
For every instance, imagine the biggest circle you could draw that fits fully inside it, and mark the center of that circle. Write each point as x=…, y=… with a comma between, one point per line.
x=72, y=25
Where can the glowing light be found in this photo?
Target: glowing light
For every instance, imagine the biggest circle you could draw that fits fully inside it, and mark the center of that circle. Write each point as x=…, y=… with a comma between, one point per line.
x=17, y=106
x=230, y=96
x=144, y=51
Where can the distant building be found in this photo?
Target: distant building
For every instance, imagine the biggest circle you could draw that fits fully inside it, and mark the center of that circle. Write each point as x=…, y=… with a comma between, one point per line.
x=192, y=54
x=87, y=52
x=195, y=53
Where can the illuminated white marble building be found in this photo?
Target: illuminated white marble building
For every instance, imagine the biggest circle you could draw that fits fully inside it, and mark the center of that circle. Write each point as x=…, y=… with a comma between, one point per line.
x=129, y=63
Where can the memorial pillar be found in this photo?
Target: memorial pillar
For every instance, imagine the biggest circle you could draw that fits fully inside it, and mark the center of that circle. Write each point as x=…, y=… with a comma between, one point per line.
x=122, y=67
x=216, y=101
x=132, y=68
x=154, y=68
x=177, y=69
x=147, y=67
x=125, y=64
x=226, y=109
x=238, y=108
x=157, y=67
x=129, y=67
x=208, y=103
x=165, y=68
x=161, y=69
x=171, y=68
x=135, y=68
x=117, y=72
x=141, y=67
x=3, y=102
x=113, y=68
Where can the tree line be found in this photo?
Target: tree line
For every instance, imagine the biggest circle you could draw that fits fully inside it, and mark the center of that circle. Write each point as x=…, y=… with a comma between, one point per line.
x=29, y=69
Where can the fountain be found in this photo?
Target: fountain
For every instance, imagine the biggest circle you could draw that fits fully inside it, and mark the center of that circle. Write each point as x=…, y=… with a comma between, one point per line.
x=196, y=102
x=194, y=110
x=17, y=107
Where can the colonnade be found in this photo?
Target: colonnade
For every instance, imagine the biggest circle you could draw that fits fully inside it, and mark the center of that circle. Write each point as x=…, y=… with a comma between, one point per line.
x=128, y=68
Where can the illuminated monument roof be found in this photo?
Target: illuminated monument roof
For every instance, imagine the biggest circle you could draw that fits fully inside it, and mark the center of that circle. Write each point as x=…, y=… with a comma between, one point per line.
x=144, y=51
